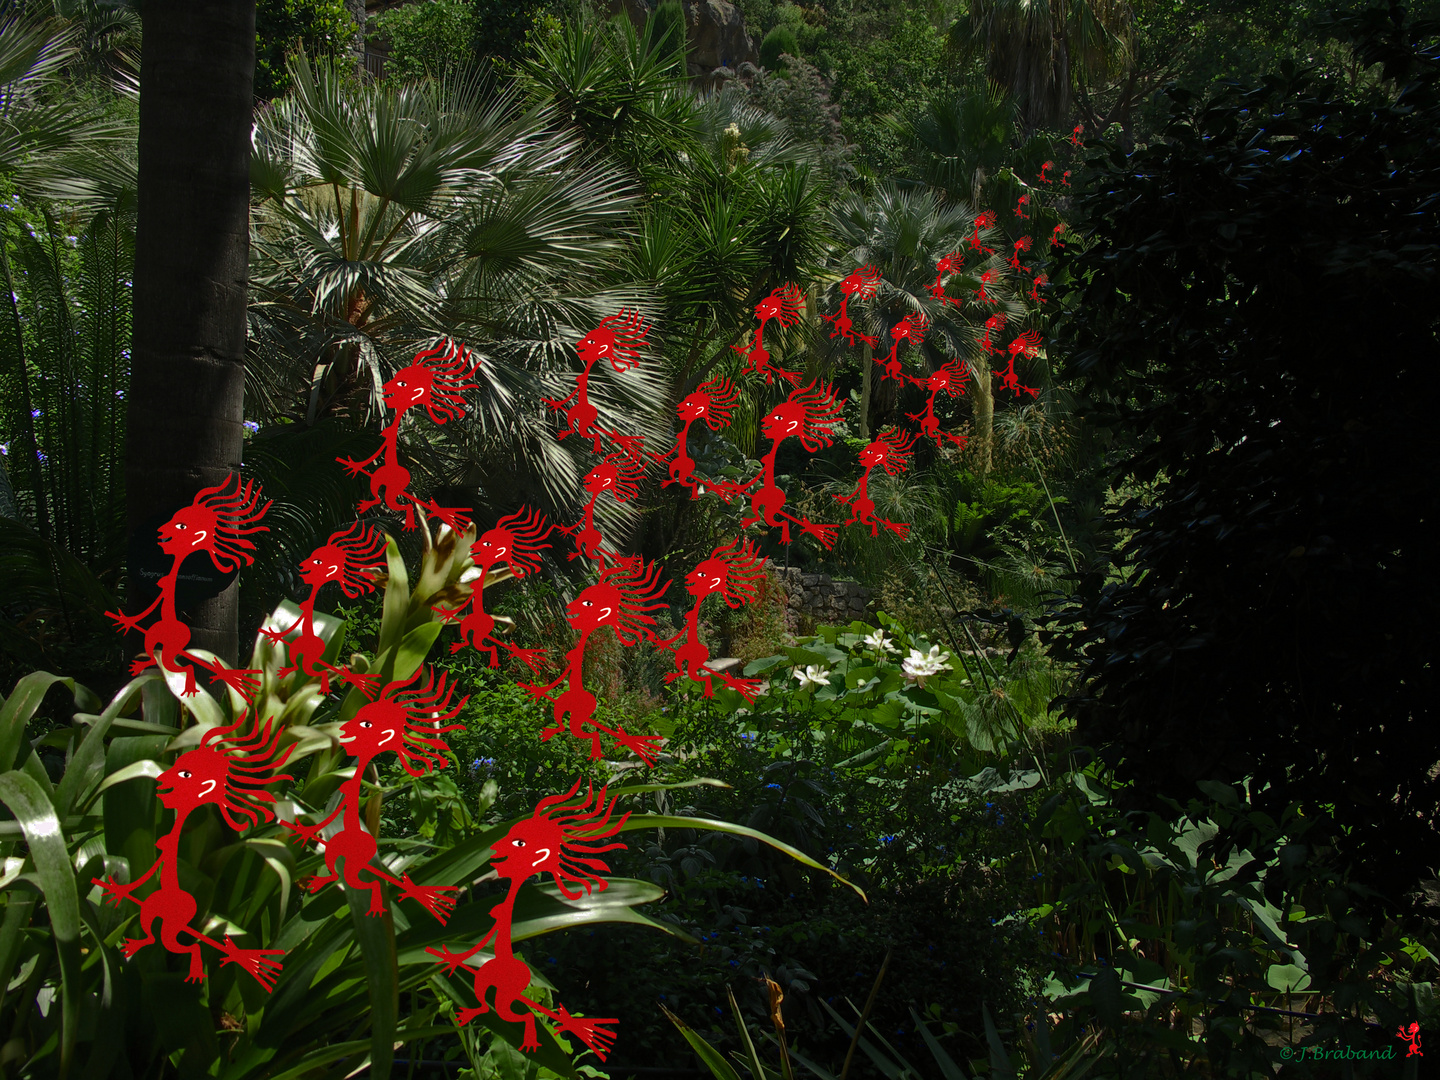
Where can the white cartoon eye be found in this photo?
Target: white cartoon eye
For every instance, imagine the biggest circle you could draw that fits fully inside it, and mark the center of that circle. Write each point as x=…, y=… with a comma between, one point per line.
x=206, y=788
x=402, y=384
x=366, y=724
x=587, y=603
x=518, y=843
x=184, y=774
x=179, y=526
x=486, y=543
x=541, y=855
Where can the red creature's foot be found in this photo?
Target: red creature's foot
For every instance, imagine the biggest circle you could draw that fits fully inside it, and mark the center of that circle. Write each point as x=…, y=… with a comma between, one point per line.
x=432, y=898
x=550, y=732
x=464, y=1016
x=133, y=945
x=137, y=666
x=589, y=1031
x=114, y=891
x=315, y=884
x=257, y=962
x=366, y=505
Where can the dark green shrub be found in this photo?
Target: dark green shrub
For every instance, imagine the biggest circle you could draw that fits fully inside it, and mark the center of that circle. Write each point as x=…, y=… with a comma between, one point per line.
x=778, y=42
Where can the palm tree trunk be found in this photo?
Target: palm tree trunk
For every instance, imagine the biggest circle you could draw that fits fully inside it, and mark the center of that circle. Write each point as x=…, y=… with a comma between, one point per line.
x=984, y=398
x=191, y=248
x=867, y=360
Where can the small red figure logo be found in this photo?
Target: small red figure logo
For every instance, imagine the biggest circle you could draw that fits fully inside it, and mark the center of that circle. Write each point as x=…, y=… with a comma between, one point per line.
x=620, y=474
x=1411, y=1035
x=712, y=402
x=891, y=452
x=515, y=541
x=434, y=380
x=983, y=220
x=912, y=329
x=946, y=265
x=1045, y=169
x=986, y=278
x=617, y=339
x=949, y=380
x=618, y=600
x=808, y=414
x=345, y=559
x=993, y=324
x=1065, y=179
x=217, y=523
x=409, y=722
x=1074, y=139
x=733, y=572
x=229, y=771
x=1055, y=234
x=782, y=305
x=563, y=843
x=1021, y=246
x=1039, y=283
x=1020, y=206
x=1026, y=345
x=861, y=284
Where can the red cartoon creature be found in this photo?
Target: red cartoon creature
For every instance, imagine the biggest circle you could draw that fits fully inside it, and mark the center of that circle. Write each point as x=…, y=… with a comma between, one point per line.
x=344, y=559
x=782, y=305
x=1026, y=345
x=1039, y=283
x=1021, y=246
x=986, y=278
x=712, y=402
x=994, y=324
x=1020, y=206
x=515, y=541
x=1074, y=139
x=410, y=723
x=891, y=452
x=435, y=381
x=912, y=329
x=563, y=843
x=859, y=285
x=1411, y=1035
x=949, y=380
x=617, y=339
x=733, y=572
x=945, y=266
x=217, y=523
x=228, y=770
x=983, y=220
x=620, y=474
x=1065, y=178
x=1044, y=179
x=809, y=415
x=1055, y=234
x=618, y=600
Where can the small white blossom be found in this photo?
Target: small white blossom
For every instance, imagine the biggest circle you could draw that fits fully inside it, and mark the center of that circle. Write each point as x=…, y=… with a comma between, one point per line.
x=813, y=675
x=920, y=665
x=879, y=642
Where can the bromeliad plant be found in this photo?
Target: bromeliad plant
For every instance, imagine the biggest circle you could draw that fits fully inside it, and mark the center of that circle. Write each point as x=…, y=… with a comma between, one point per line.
x=75, y=1001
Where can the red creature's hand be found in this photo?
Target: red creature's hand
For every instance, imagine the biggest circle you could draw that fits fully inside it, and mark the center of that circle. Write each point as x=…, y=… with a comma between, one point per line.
x=354, y=468
x=452, y=961
x=124, y=623
x=256, y=961
x=589, y=1031
x=368, y=685
x=244, y=681
x=432, y=898
x=115, y=892
x=303, y=834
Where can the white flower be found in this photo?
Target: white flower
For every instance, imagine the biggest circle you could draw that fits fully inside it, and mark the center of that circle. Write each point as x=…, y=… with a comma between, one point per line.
x=879, y=642
x=813, y=675
x=919, y=665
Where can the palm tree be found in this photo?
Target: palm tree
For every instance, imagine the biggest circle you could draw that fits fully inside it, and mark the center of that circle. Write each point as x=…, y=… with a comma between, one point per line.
x=389, y=216
x=1039, y=49
x=188, y=357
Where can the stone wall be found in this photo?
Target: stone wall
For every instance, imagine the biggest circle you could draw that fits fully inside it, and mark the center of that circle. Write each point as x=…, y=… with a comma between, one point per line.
x=717, y=42
x=818, y=598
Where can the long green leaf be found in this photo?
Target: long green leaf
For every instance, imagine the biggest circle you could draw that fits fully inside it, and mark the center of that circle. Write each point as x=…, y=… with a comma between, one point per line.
x=757, y=1067
x=88, y=762
x=376, y=938
x=713, y=1059
x=20, y=707
x=948, y=1068
x=36, y=814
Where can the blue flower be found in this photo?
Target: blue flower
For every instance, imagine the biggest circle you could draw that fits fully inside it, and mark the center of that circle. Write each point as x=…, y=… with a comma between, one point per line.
x=775, y=786
x=250, y=425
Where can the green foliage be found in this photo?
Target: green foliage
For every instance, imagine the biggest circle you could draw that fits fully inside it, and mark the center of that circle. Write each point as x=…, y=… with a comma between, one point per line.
x=778, y=42
x=314, y=28
x=669, y=30
x=435, y=38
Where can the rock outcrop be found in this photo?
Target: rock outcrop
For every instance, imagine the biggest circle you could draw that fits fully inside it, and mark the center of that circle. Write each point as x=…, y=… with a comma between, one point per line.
x=716, y=41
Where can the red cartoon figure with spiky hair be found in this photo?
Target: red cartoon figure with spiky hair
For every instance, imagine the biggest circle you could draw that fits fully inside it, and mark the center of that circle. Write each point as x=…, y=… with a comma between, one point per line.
x=347, y=559
x=712, y=402
x=1065, y=178
x=891, y=452
x=1020, y=206
x=1055, y=234
x=983, y=220
x=986, y=278
x=217, y=523
x=1026, y=345
x=619, y=600
x=515, y=541
x=563, y=842
x=408, y=721
x=228, y=770
x=435, y=380
x=993, y=325
x=949, y=380
x=620, y=474
x=733, y=572
x=1039, y=283
x=1074, y=139
x=617, y=339
x=810, y=415
x=912, y=329
x=860, y=284
x=1021, y=246
x=1044, y=169
x=782, y=305
x=944, y=266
